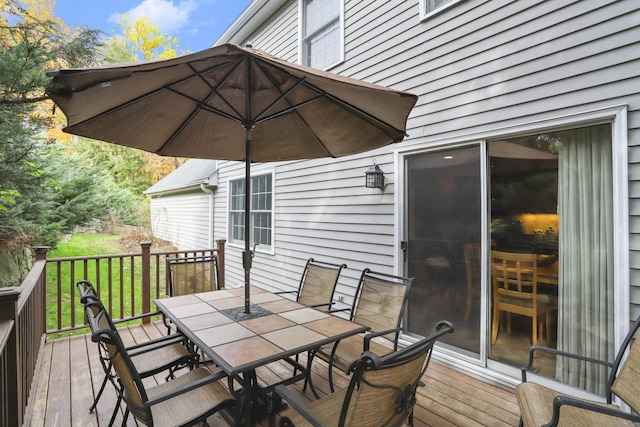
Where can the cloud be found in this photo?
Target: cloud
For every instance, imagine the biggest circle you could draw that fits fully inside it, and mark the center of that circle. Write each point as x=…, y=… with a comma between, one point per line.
x=163, y=13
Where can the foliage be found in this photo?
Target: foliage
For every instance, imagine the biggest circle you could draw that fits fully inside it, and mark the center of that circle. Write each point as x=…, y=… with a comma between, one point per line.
x=31, y=42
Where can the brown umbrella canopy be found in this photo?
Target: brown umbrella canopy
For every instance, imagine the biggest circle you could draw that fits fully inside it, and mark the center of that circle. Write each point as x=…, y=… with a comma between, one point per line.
x=231, y=103
x=199, y=105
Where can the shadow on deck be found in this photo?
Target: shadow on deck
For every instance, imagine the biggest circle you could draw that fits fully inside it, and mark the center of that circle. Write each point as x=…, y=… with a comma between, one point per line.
x=70, y=374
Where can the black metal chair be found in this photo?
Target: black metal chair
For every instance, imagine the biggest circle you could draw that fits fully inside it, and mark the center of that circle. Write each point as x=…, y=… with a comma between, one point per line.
x=168, y=353
x=317, y=283
x=540, y=405
x=379, y=302
x=381, y=392
x=189, y=275
x=186, y=400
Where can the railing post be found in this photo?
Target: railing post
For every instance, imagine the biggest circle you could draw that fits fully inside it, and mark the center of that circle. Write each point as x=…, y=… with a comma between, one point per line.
x=41, y=255
x=12, y=369
x=220, y=251
x=146, y=280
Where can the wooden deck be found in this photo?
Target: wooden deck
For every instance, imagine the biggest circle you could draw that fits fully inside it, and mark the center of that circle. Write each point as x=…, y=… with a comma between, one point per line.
x=70, y=373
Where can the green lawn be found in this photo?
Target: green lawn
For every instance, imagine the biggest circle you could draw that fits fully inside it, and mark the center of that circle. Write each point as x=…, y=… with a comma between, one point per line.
x=110, y=293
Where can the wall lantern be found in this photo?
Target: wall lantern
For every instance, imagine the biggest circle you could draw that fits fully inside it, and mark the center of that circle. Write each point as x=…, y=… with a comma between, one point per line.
x=374, y=177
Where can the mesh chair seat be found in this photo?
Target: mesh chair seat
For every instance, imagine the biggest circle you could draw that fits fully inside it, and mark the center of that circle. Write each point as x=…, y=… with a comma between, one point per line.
x=540, y=400
x=540, y=405
x=185, y=408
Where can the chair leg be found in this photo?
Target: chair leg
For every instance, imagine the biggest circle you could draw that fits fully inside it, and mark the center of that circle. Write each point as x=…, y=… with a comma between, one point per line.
x=95, y=401
x=467, y=311
x=495, y=325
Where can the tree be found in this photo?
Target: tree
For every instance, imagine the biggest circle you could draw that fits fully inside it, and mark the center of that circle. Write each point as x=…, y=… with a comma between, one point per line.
x=31, y=42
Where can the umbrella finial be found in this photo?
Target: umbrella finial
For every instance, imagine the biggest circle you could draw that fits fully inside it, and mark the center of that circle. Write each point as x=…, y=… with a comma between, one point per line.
x=249, y=45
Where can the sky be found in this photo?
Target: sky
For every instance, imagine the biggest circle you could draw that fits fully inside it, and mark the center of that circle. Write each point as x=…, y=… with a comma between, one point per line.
x=196, y=23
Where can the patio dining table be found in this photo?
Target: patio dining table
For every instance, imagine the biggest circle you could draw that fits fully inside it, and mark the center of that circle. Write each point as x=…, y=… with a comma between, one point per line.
x=239, y=343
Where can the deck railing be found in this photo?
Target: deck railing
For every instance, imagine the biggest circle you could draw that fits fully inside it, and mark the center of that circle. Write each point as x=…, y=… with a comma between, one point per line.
x=127, y=283
x=22, y=333
x=49, y=291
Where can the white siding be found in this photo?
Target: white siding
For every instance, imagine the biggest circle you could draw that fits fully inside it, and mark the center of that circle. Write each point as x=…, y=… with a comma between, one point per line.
x=182, y=219
x=478, y=66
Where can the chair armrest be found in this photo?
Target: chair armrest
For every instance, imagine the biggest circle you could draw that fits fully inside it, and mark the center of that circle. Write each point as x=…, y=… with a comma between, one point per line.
x=370, y=335
x=327, y=304
x=338, y=310
x=139, y=316
x=535, y=348
x=156, y=343
x=560, y=401
x=194, y=385
x=296, y=404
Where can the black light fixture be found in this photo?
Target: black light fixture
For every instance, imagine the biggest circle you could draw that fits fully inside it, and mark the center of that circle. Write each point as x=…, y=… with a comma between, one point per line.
x=374, y=177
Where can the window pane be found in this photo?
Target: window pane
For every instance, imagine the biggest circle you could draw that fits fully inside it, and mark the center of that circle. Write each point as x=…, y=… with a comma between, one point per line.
x=551, y=201
x=321, y=38
x=261, y=206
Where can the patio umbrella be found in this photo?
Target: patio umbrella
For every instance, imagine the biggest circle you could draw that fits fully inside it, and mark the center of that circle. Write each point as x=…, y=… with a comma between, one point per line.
x=230, y=103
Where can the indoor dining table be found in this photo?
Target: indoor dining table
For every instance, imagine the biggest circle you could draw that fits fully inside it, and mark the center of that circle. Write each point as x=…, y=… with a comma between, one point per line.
x=239, y=343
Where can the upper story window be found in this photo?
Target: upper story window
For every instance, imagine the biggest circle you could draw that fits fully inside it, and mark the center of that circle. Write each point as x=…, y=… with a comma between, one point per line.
x=261, y=211
x=322, y=38
x=429, y=7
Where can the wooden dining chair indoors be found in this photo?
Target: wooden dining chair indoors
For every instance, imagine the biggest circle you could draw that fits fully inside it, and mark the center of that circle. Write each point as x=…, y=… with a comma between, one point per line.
x=184, y=401
x=540, y=405
x=379, y=303
x=472, y=260
x=190, y=275
x=317, y=284
x=515, y=291
x=166, y=354
x=381, y=392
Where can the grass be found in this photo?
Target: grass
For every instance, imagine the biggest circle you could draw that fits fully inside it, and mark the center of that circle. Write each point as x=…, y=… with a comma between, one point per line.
x=107, y=279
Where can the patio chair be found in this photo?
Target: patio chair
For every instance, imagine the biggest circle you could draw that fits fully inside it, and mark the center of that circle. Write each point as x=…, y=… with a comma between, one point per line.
x=515, y=291
x=540, y=405
x=379, y=303
x=381, y=392
x=189, y=275
x=186, y=400
x=317, y=283
x=168, y=353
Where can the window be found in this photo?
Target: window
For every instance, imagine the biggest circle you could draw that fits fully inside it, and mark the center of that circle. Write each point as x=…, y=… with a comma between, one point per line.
x=321, y=33
x=261, y=210
x=429, y=7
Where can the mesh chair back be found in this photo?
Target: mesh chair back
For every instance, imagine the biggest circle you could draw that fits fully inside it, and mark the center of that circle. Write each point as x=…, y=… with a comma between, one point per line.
x=113, y=351
x=318, y=283
x=624, y=381
x=188, y=275
x=380, y=301
x=382, y=391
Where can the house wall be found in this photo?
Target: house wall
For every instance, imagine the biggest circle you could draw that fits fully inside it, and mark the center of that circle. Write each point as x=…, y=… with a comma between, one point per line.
x=478, y=67
x=182, y=219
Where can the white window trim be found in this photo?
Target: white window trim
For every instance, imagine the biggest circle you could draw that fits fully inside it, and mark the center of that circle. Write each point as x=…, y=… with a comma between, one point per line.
x=270, y=250
x=424, y=14
x=617, y=116
x=301, y=30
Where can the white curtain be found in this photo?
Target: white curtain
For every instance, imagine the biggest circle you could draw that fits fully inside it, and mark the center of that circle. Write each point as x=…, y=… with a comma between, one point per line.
x=585, y=276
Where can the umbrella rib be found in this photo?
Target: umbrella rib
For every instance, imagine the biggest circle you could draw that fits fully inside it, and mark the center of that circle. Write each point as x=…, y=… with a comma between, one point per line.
x=291, y=108
x=154, y=92
x=222, y=81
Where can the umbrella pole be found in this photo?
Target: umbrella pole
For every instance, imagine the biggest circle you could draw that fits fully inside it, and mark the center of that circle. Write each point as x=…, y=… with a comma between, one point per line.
x=246, y=255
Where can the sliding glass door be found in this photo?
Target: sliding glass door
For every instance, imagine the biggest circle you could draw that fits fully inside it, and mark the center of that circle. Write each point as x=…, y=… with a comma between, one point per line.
x=549, y=220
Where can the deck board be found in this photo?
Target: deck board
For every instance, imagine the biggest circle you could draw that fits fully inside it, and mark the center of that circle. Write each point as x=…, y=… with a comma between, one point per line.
x=70, y=375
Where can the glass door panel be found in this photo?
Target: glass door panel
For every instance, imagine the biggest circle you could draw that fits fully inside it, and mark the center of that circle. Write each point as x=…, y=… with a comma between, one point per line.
x=551, y=209
x=444, y=231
